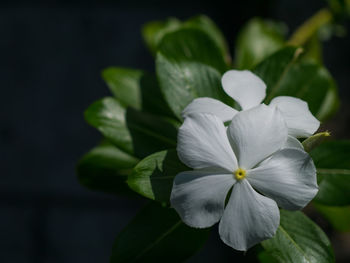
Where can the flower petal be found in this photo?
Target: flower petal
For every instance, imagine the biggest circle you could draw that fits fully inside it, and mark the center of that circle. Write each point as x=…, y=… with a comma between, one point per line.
x=293, y=142
x=211, y=106
x=300, y=121
x=288, y=177
x=257, y=133
x=244, y=87
x=249, y=217
x=202, y=143
x=199, y=196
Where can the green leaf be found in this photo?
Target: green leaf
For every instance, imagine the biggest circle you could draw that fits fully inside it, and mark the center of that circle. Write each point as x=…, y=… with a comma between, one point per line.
x=338, y=216
x=330, y=103
x=157, y=234
x=206, y=24
x=307, y=81
x=193, y=45
x=313, y=50
x=152, y=98
x=273, y=68
x=150, y=133
x=189, y=65
x=284, y=75
x=332, y=160
x=181, y=82
x=315, y=140
x=108, y=116
x=105, y=168
x=124, y=84
x=265, y=257
x=153, y=32
x=153, y=176
x=135, y=132
x=257, y=40
x=137, y=89
x=299, y=239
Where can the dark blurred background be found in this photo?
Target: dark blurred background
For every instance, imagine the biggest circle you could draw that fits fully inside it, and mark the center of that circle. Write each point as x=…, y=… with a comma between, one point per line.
x=51, y=56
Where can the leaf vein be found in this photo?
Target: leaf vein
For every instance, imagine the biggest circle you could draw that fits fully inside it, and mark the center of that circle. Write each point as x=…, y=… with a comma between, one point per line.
x=295, y=244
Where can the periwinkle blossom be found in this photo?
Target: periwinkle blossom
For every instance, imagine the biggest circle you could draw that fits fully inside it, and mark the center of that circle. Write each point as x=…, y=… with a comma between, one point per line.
x=247, y=157
x=249, y=91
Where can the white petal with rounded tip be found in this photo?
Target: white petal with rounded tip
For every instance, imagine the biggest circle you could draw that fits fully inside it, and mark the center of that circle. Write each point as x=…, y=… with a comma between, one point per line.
x=249, y=217
x=211, y=106
x=199, y=196
x=300, y=121
x=288, y=177
x=293, y=142
x=202, y=143
x=244, y=87
x=257, y=133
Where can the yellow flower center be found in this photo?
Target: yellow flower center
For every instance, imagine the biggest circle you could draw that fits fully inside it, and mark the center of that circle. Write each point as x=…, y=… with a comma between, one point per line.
x=240, y=173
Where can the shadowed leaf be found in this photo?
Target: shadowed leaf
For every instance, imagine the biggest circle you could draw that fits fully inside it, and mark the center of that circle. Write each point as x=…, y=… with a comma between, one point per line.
x=157, y=234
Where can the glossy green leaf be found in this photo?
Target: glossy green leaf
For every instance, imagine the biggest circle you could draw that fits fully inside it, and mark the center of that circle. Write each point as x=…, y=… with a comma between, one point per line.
x=337, y=216
x=284, y=75
x=183, y=81
x=313, y=50
x=257, y=40
x=154, y=32
x=124, y=84
x=192, y=45
x=273, y=68
x=105, y=168
x=188, y=66
x=137, y=89
x=150, y=133
x=307, y=81
x=332, y=160
x=331, y=102
x=153, y=176
x=206, y=24
x=108, y=116
x=135, y=132
x=299, y=239
x=152, y=98
x=315, y=140
x=157, y=234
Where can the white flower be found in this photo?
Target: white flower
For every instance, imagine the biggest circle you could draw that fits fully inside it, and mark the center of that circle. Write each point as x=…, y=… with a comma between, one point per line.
x=249, y=91
x=248, y=157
